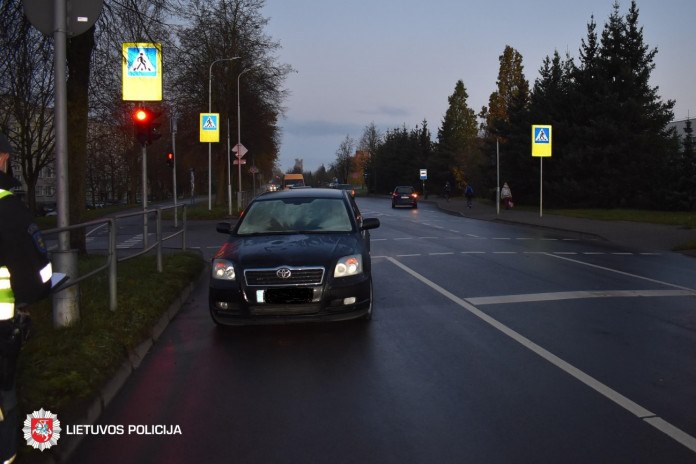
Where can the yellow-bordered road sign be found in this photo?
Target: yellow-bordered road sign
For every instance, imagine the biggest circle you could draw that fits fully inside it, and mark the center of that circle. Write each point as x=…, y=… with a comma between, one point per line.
x=210, y=127
x=142, y=71
x=541, y=140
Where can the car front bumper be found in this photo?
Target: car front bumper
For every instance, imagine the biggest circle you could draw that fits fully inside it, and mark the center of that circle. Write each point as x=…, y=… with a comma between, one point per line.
x=342, y=299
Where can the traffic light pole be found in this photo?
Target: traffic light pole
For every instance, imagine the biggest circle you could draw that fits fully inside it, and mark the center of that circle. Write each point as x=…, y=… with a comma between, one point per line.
x=174, y=170
x=66, y=303
x=144, y=195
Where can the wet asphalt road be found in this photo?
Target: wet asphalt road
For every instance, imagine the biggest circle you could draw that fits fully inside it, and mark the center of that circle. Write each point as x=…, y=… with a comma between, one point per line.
x=489, y=343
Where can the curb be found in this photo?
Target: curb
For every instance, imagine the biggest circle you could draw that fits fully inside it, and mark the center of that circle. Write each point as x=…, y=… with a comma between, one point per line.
x=91, y=411
x=499, y=220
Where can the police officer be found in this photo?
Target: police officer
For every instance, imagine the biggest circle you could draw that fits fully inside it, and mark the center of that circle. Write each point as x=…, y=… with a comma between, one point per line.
x=25, y=277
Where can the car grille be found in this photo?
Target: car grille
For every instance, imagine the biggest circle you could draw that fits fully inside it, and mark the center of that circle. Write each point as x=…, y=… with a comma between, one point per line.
x=270, y=277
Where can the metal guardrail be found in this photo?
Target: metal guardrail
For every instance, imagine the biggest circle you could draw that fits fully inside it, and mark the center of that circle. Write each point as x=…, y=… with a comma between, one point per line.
x=112, y=256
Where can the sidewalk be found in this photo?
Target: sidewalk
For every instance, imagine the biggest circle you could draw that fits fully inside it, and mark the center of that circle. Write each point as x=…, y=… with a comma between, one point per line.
x=632, y=235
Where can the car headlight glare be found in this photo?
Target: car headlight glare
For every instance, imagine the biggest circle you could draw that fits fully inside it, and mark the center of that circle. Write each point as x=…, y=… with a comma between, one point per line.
x=223, y=270
x=348, y=266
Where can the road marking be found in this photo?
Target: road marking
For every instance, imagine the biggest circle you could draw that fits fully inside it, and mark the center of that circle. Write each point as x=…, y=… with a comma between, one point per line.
x=556, y=296
x=620, y=272
x=406, y=256
x=442, y=253
x=614, y=396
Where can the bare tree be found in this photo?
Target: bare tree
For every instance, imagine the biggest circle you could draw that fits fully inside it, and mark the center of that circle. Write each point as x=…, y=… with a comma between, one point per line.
x=343, y=157
x=26, y=93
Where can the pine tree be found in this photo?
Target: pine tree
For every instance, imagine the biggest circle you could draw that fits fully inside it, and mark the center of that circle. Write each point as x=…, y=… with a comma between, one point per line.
x=620, y=137
x=504, y=120
x=688, y=172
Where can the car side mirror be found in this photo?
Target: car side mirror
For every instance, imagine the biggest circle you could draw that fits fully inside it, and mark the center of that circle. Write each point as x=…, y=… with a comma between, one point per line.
x=224, y=228
x=369, y=223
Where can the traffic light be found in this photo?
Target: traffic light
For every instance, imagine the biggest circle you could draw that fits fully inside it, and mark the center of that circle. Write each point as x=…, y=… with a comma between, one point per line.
x=146, y=125
x=154, y=133
x=141, y=120
x=170, y=159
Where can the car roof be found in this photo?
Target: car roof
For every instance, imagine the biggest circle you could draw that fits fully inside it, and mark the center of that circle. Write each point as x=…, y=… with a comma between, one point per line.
x=303, y=193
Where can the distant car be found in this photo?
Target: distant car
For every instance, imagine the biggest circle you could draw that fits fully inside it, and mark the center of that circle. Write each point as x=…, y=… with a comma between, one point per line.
x=296, y=255
x=404, y=195
x=348, y=187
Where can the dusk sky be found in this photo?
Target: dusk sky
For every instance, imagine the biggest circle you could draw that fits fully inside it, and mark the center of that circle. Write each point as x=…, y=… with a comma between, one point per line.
x=395, y=62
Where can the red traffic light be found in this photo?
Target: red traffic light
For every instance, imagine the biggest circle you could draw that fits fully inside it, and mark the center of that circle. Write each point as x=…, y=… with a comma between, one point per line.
x=141, y=115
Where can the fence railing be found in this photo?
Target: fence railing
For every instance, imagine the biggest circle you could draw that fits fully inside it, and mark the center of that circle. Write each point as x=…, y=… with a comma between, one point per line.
x=112, y=253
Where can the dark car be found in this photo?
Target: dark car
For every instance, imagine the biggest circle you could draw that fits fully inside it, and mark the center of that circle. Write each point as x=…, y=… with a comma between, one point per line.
x=295, y=255
x=348, y=187
x=404, y=195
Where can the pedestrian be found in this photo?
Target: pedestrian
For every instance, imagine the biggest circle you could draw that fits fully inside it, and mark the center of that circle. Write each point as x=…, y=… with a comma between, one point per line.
x=25, y=277
x=506, y=196
x=469, y=194
x=447, y=190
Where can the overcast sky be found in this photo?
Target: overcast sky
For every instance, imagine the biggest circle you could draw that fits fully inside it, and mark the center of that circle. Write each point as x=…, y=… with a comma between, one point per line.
x=395, y=62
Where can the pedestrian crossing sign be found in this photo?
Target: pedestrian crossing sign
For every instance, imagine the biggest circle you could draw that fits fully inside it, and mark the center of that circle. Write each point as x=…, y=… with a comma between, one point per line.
x=210, y=129
x=142, y=71
x=541, y=141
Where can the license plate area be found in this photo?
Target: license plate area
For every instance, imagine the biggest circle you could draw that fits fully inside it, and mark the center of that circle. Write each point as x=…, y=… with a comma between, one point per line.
x=288, y=295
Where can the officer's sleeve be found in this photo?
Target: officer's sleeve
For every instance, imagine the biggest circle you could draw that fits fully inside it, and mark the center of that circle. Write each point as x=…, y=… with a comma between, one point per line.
x=23, y=251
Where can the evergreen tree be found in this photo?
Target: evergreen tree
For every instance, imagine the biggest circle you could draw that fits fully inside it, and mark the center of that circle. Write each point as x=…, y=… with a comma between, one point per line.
x=456, y=158
x=551, y=104
x=506, y=121
x=621, y=123
x=688, y=171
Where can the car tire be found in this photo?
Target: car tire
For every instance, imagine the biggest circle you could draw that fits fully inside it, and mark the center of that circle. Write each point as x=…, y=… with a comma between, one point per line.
x=393, y=205
x=415, y=206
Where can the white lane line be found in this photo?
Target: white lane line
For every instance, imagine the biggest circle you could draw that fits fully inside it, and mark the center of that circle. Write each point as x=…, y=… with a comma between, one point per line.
x=407, y=256
x=556, y=296
x=473, y=252
x=614, y=396
x=619, y=272
x=441, y=253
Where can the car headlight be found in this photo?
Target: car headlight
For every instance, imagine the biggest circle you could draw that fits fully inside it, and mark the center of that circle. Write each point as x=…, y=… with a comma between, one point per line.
x=223, y=270
x=348, y=266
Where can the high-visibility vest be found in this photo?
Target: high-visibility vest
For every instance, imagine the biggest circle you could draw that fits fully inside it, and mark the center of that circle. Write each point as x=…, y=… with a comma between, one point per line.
x=7, y=300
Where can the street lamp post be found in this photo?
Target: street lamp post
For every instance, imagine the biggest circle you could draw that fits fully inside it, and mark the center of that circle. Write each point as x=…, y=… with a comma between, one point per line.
x=239, y=140
x=210, y=148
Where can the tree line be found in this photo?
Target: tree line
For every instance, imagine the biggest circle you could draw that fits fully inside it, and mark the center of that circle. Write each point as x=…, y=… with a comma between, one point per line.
x=612, y=144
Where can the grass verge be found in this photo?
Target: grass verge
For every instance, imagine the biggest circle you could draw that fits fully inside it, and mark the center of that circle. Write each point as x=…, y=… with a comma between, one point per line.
x=679, y=218
x=62, y=367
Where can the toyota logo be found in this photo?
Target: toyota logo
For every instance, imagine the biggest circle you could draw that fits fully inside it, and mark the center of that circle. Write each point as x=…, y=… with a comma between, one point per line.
x=283, y=273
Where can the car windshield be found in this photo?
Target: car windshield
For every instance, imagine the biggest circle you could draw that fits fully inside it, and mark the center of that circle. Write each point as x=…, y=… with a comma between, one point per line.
x=295, y=215
x=404, y=190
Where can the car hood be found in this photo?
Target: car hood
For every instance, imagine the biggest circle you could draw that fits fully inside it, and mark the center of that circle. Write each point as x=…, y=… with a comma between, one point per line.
x=289, y=250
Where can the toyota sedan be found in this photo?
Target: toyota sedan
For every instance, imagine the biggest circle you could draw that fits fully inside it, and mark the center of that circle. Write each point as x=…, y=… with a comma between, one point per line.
x=294, y=256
